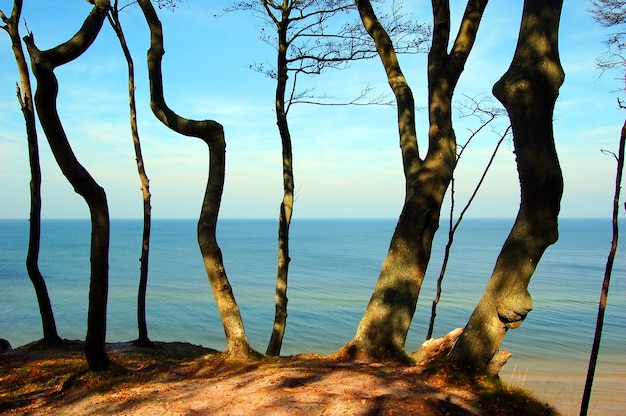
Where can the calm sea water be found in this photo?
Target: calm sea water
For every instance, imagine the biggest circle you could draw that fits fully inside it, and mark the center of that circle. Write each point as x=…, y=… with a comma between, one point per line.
x=335, y=264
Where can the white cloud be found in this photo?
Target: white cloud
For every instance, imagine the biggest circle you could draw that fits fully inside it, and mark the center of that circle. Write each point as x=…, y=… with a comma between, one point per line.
x=346, y=160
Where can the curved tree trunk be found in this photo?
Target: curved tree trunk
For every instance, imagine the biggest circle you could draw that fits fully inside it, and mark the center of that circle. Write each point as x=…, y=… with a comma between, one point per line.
x=43, y=64
x=50, y=334
x=528, y=90
x=383, y=329
x=145, y=185
x=212, y=134
x=286, y=206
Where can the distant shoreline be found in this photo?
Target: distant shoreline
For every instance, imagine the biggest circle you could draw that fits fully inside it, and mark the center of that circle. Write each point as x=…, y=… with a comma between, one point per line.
x=442, y=221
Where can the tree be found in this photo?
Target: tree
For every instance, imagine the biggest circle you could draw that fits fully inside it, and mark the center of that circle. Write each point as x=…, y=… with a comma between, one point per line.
x=611, y=13
x=142, y=325
x=486, y=116
x=383, y=328
x=528, y=90
x=212, y=133
x=307, y=43
x=24, y=95
x=608, y=13
x=604, y=293
x=43, y=64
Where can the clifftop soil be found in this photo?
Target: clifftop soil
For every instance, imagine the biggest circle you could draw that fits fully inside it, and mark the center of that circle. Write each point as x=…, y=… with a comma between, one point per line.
x=183, y=379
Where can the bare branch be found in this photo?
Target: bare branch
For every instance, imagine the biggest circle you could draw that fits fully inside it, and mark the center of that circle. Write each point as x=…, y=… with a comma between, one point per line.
x=482, y=108
x=610, y=13
x=365, y=98
x=320, y=36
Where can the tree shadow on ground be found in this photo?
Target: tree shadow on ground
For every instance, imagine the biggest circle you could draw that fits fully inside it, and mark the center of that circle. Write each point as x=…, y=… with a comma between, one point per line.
x=180, y=378
x=38, y=372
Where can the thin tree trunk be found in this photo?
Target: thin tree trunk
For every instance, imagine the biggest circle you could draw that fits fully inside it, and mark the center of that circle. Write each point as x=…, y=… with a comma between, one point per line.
x=142, y=325
x=595, y=348
x=528, y=90
x=212, y=134
x=50, y=334
x=383, y=329
x=286, y=206
x=43, y=64
x=452, y=230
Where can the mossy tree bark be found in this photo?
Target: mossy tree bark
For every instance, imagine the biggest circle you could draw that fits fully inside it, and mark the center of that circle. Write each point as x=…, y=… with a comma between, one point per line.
x=43, y=64
x=212, y=134
x=528, y=90
x=383, y=329
x=50, y=334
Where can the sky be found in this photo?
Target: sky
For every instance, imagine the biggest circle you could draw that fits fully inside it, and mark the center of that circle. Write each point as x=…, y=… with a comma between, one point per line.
x=347, y=162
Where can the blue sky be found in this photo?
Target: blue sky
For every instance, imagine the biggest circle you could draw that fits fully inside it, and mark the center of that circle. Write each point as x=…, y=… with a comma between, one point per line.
x=346, y=159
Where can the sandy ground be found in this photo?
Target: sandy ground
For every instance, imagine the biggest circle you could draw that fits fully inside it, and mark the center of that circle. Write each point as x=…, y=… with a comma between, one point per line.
x=564, y=390
x=561, y=382
x=291, y=391
x=206, y=384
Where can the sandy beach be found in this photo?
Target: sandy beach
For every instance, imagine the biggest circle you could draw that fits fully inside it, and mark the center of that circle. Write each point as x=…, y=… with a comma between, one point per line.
x=561, y=383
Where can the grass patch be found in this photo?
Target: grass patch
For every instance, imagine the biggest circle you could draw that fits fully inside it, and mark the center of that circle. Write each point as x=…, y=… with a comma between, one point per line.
x=506, y=400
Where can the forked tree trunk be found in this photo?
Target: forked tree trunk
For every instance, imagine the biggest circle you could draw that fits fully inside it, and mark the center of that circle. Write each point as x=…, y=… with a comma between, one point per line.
x=528, y=90
x=43, y=64
x=50, y=334
x=212, y=134
x=142, y=324
x=383, y=329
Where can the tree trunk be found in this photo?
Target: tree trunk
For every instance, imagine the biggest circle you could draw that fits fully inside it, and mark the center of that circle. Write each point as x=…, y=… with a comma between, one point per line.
x=43, y=64
x=383, y=329
x=142, y=325
x=604, y=293
x=50, y=334
x=286, y=206
x=212, y=134
x=528, y=90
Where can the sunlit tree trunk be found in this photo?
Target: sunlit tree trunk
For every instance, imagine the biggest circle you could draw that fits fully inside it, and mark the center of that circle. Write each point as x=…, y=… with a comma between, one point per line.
x=528, y=90
x=142, y=325
x=212, y=134
x=286, y=206
x=43, y=64
x=383, y=329
x=50, y=334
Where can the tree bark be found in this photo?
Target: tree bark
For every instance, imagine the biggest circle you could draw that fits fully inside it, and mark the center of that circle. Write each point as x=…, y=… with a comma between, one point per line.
x=383, y=329
x=435, y=348
x=212, y=134
x=142, y=324
x=50, y=334
x=286, y=206
x=528, y=90
x=43, y=64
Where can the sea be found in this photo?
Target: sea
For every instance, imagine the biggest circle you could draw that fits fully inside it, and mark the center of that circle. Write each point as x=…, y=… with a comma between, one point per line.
x=334, y=266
